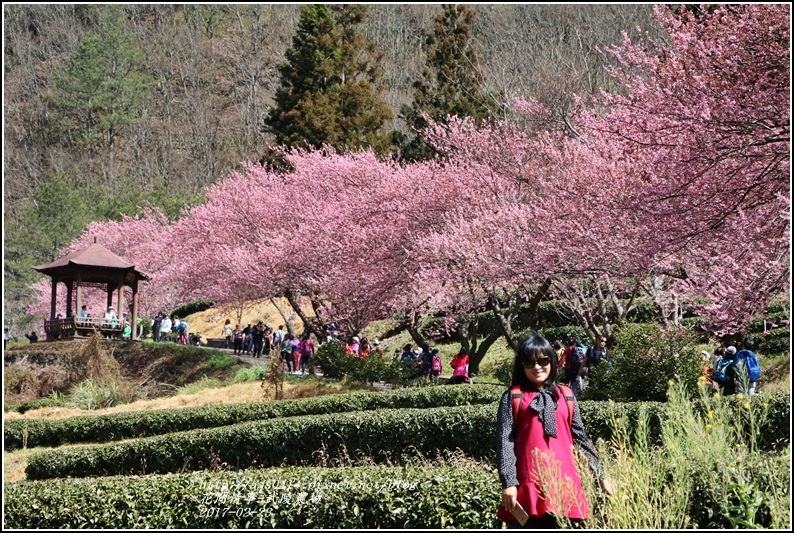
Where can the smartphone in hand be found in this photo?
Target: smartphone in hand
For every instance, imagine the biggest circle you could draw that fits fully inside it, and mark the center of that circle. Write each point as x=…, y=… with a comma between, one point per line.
x=520, y=514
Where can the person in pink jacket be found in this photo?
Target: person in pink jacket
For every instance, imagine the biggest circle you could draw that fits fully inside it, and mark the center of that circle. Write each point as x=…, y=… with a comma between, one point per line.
x=460, y=367
x=536, y=433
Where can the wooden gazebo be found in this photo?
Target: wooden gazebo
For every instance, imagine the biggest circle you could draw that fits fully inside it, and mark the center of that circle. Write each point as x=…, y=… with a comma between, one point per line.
x=94, y=266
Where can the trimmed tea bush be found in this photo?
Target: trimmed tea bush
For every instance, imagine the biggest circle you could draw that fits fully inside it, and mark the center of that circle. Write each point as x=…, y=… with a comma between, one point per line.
x=381, y=435
x=363, y=497
x=365, y=436
x=118, y=426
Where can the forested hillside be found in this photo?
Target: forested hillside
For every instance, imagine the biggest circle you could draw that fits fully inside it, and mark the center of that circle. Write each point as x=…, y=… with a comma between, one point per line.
x=185, y=91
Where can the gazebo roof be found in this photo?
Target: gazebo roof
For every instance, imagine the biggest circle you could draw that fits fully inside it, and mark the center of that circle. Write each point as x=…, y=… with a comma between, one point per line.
x=94, y=258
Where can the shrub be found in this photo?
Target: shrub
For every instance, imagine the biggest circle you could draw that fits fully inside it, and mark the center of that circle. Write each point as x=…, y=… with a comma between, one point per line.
x=89, y=395
x=709, y=469
x=382, y=435
x=117, y=426
x=645, y=359
x=54, y=399
x=189, y=308
x=338, y=498
x=336, y=364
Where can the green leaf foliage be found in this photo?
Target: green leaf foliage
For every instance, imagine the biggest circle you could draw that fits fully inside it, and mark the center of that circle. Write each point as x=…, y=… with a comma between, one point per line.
x=357, y=497
x=330, y=86
x=103, y=84
x=383, y=435
x=337, y=364
x=118, y=426
x=451, y=82
x=643, y=362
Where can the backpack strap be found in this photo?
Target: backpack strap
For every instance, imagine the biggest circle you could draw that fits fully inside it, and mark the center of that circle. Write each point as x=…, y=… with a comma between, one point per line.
x=515, y=398
x=566, y=393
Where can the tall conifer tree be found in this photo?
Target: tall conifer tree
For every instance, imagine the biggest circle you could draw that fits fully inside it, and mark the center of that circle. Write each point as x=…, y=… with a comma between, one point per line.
x=330, y=85
x=103, y=86
x=451, y=82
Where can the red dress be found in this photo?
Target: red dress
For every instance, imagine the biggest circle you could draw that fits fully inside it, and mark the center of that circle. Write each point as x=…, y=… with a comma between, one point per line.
x=548, y=481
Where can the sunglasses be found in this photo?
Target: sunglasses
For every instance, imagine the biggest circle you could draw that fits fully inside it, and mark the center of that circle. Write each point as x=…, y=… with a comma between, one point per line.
x=542, y=361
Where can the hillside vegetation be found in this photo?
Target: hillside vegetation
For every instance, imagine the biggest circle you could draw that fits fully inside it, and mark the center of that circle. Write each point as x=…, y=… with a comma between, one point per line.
x=203, y=78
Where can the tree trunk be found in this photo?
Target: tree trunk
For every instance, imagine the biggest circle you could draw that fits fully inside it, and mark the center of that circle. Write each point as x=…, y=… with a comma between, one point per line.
x=476, y=357
x=289, y=321
x=412, y=322
x=309, y=324
x=504, y=318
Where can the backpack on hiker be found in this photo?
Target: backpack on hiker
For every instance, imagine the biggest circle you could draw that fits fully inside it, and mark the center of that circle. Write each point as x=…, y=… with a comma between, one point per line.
x=721, y=368
x=748, y=360
x=576, y=358
x=437, y=364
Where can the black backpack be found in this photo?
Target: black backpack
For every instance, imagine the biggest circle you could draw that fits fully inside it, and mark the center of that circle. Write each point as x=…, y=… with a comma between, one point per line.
x=577, y=357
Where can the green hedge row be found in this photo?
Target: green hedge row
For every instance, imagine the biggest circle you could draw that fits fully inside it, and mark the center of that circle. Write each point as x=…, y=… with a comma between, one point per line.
x=336, y=498
x=385, y=435
x=380, y=435
x=118, y=426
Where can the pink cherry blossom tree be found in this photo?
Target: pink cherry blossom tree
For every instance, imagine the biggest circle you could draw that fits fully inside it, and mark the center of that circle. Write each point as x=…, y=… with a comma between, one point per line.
x=707, y=118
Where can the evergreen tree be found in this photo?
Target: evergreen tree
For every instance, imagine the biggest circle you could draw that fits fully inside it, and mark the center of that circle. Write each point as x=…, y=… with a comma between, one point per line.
x=451, y=80
x=330, y=86
x=103, y=84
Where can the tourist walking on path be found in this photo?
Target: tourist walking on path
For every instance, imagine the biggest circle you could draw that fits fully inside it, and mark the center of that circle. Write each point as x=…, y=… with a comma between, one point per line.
x=227, y=333
x=237, y=339
x=156, y=325
x=307, y=352
x=286, y=351
x=165, y=329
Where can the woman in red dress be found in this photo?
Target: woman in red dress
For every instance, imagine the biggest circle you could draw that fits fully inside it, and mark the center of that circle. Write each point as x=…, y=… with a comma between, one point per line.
x=534, y=452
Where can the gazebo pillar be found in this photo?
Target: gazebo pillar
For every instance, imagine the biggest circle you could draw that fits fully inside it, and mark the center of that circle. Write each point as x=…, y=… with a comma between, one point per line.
x=110, y=297
x=78, y=296
x=134, y=323
x=120, y=300
x=54, y=296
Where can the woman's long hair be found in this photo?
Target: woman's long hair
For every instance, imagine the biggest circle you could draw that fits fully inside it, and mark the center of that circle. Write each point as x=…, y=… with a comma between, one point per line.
x=532, y=347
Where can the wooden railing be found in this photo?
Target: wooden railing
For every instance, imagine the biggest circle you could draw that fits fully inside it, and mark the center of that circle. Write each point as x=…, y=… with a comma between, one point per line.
x=61, y=328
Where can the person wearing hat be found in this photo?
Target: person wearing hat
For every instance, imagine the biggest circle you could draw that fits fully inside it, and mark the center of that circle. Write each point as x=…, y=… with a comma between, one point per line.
x=352, y=347
x=376, y=349
x=111, y=319
x=724, y=373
